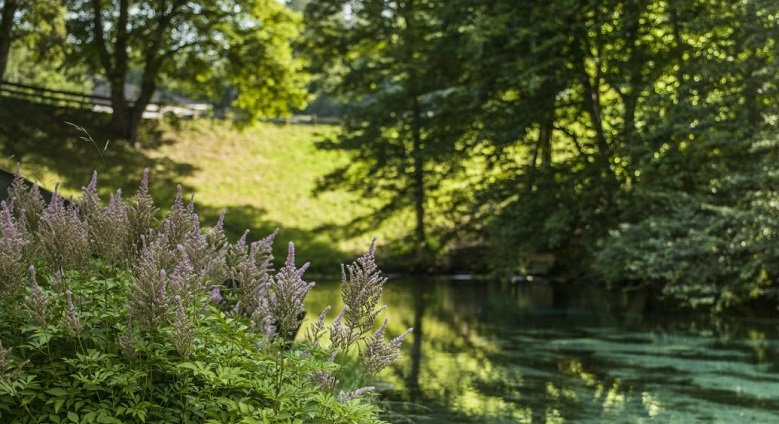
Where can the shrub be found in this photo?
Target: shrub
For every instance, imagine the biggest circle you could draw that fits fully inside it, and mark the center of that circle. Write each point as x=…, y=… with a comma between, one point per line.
x=111, y=315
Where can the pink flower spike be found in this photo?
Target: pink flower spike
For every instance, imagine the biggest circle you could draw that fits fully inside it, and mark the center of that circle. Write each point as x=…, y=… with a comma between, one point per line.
x=144, y=186
x=92, y=187
x=291, y=256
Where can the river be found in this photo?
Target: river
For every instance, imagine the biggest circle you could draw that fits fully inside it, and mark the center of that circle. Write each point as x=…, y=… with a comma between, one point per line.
x=533, y=352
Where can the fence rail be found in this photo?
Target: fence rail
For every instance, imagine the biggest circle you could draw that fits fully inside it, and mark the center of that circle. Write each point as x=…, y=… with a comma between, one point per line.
x=99, y=103
x=45, y=95
x=92, y=101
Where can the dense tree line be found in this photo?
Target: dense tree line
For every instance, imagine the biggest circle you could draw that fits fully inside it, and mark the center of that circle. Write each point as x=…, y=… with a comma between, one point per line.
x=634, y=138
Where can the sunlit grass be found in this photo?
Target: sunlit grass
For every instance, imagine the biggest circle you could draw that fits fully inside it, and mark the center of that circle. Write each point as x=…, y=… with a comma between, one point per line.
x=263, y=176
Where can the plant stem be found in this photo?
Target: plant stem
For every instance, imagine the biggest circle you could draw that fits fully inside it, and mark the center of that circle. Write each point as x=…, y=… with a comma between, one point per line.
x=279, y=374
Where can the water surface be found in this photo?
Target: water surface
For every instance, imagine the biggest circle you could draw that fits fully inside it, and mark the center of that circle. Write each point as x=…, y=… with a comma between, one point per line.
x=533, y=353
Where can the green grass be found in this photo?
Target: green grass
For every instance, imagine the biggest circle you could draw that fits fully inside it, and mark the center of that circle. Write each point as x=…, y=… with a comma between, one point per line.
x=263, y=176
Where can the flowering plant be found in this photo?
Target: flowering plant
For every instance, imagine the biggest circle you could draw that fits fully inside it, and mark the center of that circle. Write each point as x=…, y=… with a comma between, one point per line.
x=110, y=314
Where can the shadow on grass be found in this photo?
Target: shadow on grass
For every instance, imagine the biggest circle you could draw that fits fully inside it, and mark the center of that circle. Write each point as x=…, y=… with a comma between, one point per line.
x=397, y=254
x=315, y=247
x=40, y=136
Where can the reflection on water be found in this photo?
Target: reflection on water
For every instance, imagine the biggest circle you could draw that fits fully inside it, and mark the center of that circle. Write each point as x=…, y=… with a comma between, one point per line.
x=531, y=353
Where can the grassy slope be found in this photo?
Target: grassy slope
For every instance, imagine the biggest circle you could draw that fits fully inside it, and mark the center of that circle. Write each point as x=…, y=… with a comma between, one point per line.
x=263, y=176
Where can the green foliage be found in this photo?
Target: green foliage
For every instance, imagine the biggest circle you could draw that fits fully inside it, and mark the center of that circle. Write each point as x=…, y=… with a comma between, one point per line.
x=137, y=337
x=714, y=247
x=198, y=48
x=382, y=60
x=700, y=218
x=36, y=27
x=25, y=68
x=248, y=172
x=630, y=138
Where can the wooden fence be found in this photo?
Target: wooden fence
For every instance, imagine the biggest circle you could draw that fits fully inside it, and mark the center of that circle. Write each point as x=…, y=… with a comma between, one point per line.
x=58, y=97
x=98, y=103
x=94, y=102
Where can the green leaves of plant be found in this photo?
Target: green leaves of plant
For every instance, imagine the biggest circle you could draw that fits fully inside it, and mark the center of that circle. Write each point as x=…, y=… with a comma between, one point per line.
x=233, y=372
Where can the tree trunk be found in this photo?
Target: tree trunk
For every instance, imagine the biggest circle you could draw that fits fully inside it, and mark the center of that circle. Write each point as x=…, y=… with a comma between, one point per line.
x=591, y=104
x=120, y=116
x=751, y=91
x=419, y=177
x=6, y=33
x=406, y=10
x=636, y=63
x=545, y=136
x=412, y=379
x=136, y=114
x=116, y=63
x=546, y=120
x=127, y=118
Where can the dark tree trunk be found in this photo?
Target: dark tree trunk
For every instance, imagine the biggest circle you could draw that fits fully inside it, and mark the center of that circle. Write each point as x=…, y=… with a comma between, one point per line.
x=6, y=33
x=412, y=379
x=751, y=89
x=120, y=117
x=635, y=64
x=136, y=113
x=115, y=65
x=406, y=10
x=546, y=120
x=591, y=104
x=419, y=178
x=590, y=95
x=126, y=116
x=128, y=119
x=545, y=137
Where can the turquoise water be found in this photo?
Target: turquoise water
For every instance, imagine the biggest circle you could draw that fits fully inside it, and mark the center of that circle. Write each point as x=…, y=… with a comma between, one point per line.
x=533, y=353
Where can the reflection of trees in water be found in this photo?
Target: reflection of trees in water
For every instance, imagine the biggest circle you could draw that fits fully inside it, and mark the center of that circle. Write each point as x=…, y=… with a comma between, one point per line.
x=523, y=354
x=450, y=363
x=537, y=352
x=412, y=378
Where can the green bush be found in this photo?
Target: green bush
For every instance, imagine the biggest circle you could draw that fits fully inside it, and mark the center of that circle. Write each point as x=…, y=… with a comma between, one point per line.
x=111, y=315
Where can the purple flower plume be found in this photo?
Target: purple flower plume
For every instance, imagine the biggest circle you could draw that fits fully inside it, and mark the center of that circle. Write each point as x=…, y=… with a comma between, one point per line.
x=38, y=301
x=287, y=295
x=71, y=319
x=377, y=353
x=183, y=331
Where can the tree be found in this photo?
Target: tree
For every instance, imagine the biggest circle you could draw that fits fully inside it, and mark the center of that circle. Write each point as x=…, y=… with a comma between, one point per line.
x=37, y=22
x=244, y=43
x=391, y=74
x=635, y=138
x=537, y=72
x=703, y=223
x=597, y=111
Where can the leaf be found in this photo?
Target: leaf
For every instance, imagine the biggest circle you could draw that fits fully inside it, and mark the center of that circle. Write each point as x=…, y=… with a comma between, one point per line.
x=244, y=408
x=105, y=419
x=58, y=404
x=57, y=391
x=73, y=417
